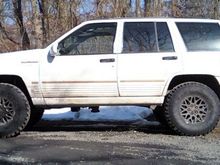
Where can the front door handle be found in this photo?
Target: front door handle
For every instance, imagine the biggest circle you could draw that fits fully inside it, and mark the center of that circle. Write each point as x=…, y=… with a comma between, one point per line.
x=170, y=58
x=107, y=60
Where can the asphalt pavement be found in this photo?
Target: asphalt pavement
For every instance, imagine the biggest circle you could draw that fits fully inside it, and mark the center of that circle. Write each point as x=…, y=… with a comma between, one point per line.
x=65, y=143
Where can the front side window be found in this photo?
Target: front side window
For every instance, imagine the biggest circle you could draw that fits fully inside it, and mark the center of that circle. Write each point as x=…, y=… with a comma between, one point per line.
x=91, y=39
x=200, y=36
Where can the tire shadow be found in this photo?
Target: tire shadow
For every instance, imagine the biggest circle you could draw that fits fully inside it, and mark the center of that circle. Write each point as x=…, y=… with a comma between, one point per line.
x=75, y=126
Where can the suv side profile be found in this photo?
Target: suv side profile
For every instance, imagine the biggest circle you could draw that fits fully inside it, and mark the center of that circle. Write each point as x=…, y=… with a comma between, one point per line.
x=171, y=64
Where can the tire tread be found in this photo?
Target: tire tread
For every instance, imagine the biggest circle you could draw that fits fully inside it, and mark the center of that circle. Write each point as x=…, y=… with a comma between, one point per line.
x=169, y=117
x=24, y=98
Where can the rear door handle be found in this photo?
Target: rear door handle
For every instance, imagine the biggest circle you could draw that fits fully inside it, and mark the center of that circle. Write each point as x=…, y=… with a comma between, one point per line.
x=170, y=58
x=107, y=60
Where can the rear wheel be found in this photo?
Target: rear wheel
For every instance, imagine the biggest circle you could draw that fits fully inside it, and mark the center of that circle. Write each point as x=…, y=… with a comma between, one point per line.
x=14, y=110
x=192, y=109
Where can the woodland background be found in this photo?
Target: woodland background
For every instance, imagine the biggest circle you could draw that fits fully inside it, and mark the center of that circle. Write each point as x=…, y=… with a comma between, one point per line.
x=28, y=24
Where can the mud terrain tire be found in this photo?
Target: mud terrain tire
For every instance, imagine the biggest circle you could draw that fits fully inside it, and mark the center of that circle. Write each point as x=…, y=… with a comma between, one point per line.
x=14, y=110
x=192, y=109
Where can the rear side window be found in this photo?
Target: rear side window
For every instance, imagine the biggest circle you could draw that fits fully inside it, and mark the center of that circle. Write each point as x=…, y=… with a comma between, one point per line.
x=164, y=38
x=141, y=37
x=200, y=36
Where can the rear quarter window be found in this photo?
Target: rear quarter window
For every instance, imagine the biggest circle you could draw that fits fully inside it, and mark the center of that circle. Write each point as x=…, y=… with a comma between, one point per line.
x=200, y=36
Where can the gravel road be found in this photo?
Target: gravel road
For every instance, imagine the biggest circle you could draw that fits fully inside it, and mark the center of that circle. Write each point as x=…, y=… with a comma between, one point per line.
x=52, y=143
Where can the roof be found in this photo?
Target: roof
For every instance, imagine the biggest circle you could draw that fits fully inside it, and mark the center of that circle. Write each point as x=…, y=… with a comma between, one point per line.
x=157, y=19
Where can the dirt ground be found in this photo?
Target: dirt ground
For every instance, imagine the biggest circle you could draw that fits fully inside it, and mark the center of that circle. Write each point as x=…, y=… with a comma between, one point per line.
x=72, y=143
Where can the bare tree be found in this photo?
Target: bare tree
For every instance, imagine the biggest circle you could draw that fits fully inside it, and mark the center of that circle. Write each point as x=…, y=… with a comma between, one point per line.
x=147, y=7
x=39, y=23
x=138, y=8
x=25, y=42
x=33, y=23
x=216, y=9
x=99, y=8
x=71, y=14
x=121, y=8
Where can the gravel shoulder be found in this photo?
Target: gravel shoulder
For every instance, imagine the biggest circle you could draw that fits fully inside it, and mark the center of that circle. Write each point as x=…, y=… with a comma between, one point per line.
x=49, y=143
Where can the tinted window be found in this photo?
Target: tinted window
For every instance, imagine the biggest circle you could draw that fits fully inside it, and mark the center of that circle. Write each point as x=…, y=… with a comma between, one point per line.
x=139, y=37
x=164, y=38
x=200, y=36
x=90, y=39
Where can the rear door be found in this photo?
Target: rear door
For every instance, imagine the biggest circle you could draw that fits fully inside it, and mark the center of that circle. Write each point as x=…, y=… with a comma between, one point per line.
x=148, y=59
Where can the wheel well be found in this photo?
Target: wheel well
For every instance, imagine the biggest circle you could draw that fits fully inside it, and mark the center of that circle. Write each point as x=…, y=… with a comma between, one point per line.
x=18, y=82
x=208, y=80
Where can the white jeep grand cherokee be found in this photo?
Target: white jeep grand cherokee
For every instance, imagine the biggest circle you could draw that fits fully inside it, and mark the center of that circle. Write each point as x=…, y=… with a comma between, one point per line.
x=170, y=63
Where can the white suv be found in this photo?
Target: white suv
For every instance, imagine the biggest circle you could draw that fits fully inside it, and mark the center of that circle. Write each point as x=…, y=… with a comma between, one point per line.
x=169, y=63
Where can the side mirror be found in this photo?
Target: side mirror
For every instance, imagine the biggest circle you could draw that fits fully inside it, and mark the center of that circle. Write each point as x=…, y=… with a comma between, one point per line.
x=54, y=50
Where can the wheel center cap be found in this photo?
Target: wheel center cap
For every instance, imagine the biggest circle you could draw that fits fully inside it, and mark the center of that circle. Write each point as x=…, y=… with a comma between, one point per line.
x=193, y=109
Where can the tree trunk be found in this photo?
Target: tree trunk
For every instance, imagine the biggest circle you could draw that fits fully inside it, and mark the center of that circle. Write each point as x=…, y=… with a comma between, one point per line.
x=174, y=8
x=25, y=42
x=147, y=5
x=138, y=8
x=121, y=8
x=42, y=5
x=39, y=23
x=99, y=12
x=216, y=9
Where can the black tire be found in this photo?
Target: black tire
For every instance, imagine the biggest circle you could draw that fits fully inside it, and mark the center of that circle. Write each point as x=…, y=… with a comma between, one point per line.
x=35, y=117
x=192, y=109
x=159, y=114
x=14, y=110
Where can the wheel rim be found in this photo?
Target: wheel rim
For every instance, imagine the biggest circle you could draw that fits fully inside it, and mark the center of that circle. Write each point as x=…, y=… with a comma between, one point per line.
x=194, y=110
x=6, y=111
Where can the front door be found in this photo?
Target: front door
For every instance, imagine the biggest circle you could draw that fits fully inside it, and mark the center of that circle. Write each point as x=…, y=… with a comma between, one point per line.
x=86, y=66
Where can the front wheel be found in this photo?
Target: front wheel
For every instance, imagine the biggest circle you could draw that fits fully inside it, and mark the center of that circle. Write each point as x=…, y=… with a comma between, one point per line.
x=192, y=109
x=14, y=110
